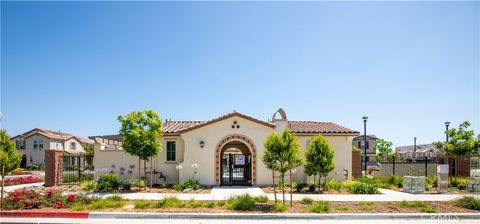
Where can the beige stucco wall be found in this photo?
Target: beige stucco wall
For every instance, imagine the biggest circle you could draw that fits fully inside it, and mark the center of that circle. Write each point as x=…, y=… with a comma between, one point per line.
x=105, y=158
x=37, y=155
x=212, y=134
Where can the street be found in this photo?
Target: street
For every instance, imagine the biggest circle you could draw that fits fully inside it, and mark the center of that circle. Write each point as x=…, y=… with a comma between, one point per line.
x=439, y=220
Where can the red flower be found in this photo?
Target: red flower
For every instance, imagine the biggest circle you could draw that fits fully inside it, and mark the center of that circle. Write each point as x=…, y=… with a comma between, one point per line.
x=49, y=192
x=58, y=204
x=71, y=197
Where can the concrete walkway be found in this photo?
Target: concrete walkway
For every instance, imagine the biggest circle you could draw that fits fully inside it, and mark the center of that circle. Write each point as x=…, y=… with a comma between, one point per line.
x=15, y=187
x=223, y=193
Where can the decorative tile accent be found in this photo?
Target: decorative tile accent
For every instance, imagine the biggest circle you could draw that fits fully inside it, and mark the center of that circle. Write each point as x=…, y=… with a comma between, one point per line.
x=244, y=140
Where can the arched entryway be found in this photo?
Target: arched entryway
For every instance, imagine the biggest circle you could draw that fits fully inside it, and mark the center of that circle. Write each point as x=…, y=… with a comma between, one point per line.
x=235, y=161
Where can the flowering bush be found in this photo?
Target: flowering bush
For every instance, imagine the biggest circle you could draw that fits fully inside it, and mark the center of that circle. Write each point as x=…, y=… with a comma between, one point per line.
x=51, y=198
x=22, y=180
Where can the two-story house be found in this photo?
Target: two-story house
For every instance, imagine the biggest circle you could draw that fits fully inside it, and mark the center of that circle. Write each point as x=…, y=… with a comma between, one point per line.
x=360, y=143
x=32, y=145
x=411, y=154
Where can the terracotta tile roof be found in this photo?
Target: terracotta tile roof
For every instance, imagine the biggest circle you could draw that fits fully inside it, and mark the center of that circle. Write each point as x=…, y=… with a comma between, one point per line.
x=54, y=135
x=173, y=127
x=315, y=127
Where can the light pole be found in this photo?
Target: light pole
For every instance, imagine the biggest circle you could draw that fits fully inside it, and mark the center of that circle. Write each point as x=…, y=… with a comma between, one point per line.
x=447, y=123
x=415, y=147
x=365, y=118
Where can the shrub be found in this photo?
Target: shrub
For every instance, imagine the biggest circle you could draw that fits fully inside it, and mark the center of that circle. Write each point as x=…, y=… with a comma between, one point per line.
x=279, y=207
x=142, y=204
x=320, y=207
x=393, y=180
x=458, y=182
x=468, y=202
x=430, y=182
x=193, y=184
x=108, y=182
x=307, y=201
x=22, y=180
x=168, y=202
x=363, y=188
x=243, y=202
x=220, y=203
x=51, y=198
x=195, y=204
x=79, y=207
x=88, y=185
x=333, y=185
x=261, y=199
x=299, y=187
x=210, y=204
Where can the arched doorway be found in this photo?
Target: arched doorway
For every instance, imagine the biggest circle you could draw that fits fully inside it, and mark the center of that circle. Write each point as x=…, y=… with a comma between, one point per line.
x=235, y=161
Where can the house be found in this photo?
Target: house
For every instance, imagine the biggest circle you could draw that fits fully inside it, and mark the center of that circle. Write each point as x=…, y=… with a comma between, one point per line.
x=361, y=144
x=420, y=153
x=223, y=151
x=32, y=145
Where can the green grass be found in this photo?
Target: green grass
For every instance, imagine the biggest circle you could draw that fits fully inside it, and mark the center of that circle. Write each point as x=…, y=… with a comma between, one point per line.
x=78, y=207
x=113, y=201
x=428, y=210
x=210, y=204
x=414, y=204
x=307, y=201
x=468, y=202
x=367, y=206
x=243, y=202
x=142, y=204
x=261, y=199
x=320, y=207
x=169, y=202
x=279, y=207
x=343, y=208
x=220, y=203
x=195, y=204
x=88, y=185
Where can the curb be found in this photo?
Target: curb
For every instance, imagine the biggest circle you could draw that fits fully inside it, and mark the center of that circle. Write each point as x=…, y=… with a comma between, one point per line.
x=44, y=214
x=343, y=216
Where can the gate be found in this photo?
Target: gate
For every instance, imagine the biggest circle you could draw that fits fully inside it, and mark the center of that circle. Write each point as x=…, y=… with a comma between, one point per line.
x=77, y=168
x=236, y=169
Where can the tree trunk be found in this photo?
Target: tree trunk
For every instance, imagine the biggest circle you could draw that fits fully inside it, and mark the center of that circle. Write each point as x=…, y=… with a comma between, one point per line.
x=274, y=186
x=283, y=187
x=291, y=188
x=319, y=182
x=139, y=172
x=3, y=180
x=151, y=172
x=145, y=172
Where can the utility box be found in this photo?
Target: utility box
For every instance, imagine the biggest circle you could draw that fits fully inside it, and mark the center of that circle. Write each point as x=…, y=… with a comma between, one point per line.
x=414, y=184
x=473, y=184
x=442, y=178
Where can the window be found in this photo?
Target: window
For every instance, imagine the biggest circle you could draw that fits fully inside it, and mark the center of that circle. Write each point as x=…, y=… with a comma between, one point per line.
x=40, y=144
x=171, y=150
x=368, y=145
x=73, y=146
x=31, y=159
x=35, y=144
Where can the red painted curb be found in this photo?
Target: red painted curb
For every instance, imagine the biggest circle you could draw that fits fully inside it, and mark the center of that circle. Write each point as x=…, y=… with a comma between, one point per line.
x=44, y=214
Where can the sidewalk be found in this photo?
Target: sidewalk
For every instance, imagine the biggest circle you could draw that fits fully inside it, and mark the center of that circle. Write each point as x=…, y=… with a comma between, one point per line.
x=223, y=193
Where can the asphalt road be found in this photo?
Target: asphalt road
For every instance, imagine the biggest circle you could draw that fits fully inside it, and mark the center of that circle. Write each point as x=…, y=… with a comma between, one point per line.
x=222, y=221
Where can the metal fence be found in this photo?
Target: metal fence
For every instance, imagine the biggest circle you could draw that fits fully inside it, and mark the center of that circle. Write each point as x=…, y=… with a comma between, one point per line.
x=416, y=168
x=77, y=168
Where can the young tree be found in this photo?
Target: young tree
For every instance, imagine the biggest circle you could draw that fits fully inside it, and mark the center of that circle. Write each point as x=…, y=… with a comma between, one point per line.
x=384, y=150
x=282, y=153
x=89, y=149
x=319, y=159
x=9, y=158
x=141, y=132
x=462, y=142
x=270, y=157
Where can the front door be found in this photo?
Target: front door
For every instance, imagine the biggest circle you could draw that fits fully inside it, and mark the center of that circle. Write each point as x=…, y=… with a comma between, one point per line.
x=236, y=169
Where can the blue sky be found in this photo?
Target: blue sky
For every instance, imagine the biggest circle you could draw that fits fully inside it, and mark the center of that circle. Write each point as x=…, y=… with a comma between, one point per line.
x=76, y=66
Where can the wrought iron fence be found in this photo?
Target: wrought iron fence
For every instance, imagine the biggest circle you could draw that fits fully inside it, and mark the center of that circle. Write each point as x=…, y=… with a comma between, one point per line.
x=77, y=168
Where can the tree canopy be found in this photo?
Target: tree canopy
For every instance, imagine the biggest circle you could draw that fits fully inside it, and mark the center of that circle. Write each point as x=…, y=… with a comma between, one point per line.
x=384, y=150
x=9, y=158
x=461, y=142
x=319, y=158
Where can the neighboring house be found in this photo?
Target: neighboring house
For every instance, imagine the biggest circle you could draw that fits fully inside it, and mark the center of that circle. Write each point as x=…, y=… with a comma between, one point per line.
x=227, y=150
x=32, y=145
x=409, y=154
x=360, y=143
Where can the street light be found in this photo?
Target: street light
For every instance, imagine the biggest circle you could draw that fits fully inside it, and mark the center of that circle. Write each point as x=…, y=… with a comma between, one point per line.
x=447, y=123
x=365, y=118
x=415, y=147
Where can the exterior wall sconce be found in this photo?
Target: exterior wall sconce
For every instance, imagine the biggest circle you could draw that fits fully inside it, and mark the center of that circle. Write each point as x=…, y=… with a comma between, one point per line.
x=202, y=144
